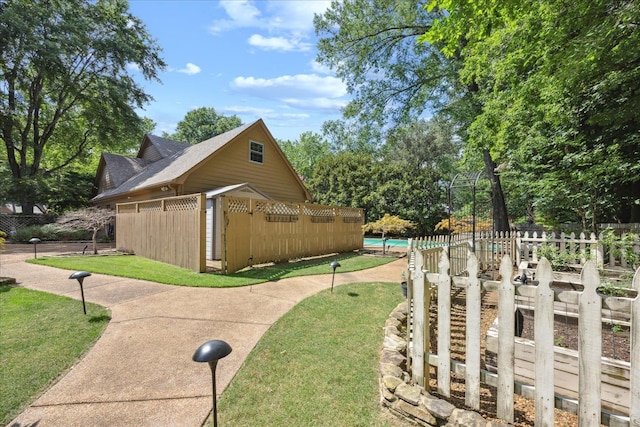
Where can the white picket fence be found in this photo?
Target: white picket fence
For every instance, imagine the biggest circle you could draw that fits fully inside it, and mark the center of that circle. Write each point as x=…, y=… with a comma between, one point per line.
x=490, y=248
x=590, y=303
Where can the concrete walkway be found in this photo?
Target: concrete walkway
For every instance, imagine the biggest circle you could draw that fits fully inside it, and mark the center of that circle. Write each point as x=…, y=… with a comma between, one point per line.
x=140, y=371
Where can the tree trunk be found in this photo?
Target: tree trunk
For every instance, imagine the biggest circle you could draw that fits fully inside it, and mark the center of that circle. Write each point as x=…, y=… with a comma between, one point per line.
x=500, y=218
x=94, y=239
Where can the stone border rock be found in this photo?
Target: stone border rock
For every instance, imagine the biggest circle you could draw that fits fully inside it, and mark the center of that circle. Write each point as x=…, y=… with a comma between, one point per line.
x=410, y=401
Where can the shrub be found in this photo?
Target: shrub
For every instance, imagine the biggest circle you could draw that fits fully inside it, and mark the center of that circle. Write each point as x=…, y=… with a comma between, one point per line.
x=47, y=233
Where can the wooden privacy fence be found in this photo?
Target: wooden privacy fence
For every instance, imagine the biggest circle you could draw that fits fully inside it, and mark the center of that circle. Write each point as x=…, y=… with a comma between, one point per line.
x=543, y=390
x=262, y=231
x=170, y=230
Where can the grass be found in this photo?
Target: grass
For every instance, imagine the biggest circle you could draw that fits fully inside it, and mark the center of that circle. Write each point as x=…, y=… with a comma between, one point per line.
x=141, y=268
x=42, y=336
x=317, y=365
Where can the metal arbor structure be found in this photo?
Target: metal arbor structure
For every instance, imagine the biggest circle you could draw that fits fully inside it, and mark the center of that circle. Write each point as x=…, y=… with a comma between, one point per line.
x=470, y=209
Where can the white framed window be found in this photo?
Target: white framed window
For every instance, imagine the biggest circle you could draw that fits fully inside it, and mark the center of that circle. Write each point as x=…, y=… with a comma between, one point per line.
x=256, y=152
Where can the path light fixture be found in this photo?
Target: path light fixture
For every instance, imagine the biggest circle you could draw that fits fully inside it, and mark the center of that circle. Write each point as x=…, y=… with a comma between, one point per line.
x=35, y=242
x=79, y=276
x=334, y=265
x=211, y=352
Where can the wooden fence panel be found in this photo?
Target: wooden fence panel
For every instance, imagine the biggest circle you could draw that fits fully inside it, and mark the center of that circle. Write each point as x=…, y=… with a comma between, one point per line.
x=590, y=347
x=444, y=327
x=634, y=381
x=544, y=355
x=237, y=235
x=419, y=374
x=272, y=231
x=168, y=230
x=474, y=306
x=506, y=340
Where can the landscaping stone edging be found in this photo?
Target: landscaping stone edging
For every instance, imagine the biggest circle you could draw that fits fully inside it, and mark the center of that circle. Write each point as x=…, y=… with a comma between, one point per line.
x=410, y=401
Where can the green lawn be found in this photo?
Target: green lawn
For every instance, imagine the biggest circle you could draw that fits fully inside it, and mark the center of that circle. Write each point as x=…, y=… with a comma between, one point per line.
x=42, y=336
x=317, y=365
x=141, y=268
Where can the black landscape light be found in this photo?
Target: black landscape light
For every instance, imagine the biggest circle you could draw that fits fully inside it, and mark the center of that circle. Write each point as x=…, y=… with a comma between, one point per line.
x=79, y=276
x=35, y=242
x=334, y=265
x=211, y=352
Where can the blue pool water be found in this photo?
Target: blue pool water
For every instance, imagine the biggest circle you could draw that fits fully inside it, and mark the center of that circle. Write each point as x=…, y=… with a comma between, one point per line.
x=390, y=242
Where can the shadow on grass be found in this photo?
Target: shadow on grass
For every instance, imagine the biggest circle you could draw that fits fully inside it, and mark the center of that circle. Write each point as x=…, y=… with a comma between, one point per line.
x=278, y=271
x=101, y=318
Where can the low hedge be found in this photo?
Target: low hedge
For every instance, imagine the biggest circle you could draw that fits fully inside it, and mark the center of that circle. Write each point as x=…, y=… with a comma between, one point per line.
x=47, y=233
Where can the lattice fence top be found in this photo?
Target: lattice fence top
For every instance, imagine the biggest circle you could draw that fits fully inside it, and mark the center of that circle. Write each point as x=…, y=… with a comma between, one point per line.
x=318, y=210
x=186, y=203
x=237, y=205
x=150, y=206
x=182, y=204
x=277, y=208
x=350, y=213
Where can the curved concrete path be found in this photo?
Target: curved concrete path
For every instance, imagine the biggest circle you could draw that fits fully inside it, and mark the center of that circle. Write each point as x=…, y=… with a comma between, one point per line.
x=140, y=371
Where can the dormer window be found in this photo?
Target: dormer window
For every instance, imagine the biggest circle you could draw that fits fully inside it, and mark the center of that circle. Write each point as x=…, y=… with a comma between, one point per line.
x=256, y=152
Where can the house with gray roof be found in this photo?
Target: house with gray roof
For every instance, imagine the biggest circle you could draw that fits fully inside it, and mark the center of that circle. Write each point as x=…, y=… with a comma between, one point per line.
x=247, y=154
x=244, y=162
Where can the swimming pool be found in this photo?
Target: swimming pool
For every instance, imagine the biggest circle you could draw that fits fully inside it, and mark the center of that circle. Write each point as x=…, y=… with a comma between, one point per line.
x=390, y=242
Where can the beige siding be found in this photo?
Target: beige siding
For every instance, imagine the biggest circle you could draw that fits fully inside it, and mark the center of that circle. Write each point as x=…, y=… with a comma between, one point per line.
x=231, y=165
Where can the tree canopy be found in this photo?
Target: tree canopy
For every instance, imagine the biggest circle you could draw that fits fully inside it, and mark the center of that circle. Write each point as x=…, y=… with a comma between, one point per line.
x=544, y=94
x=201, y=124
x=559, y=87
x=379, y=188
x=373, y=46
x=305, y=152
x=66, y=84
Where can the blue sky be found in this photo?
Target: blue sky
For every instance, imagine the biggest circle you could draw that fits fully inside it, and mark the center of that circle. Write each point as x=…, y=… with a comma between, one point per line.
x=254, y=59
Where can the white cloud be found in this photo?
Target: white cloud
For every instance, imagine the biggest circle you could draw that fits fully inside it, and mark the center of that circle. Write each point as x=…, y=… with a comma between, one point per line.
x=296, y=86
x=288, y=23
x=190, y=69
x=317, y=67
x=131, y=66
x=278, y=43
x=317, y=103
x=296, y=16
x=242, y=14
x=243, y=109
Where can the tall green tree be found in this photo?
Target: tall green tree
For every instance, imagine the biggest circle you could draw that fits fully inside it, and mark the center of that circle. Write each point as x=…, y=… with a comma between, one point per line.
x=353, y=135
x=66, y=82
x=380, y=187
x=424, y=144
x=203, y=123
x=373, y=46
x=559, y=87
x=304, y=153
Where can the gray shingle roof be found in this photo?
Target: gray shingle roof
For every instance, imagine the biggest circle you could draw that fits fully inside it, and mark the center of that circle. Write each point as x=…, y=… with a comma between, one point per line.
x=176, y=165
x=166, y=147
x=121, y=168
